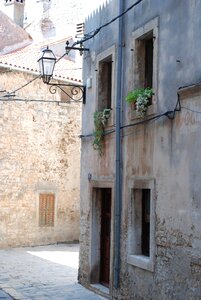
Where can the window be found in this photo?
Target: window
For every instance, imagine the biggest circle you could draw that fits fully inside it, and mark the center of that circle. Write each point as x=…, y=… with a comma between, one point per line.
x=142, y=220
x=144, y=61
x=141, y=224
x=148, y=76
x=105, y=84
x=145, y=64
x=105, y=81
x=46, y=209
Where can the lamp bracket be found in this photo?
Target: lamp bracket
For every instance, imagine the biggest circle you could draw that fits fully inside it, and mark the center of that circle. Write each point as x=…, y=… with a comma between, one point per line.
x=77, y=93
x=81, y=48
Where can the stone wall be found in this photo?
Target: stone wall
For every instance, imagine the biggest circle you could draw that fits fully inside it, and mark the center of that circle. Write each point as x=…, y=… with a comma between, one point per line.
x=39, y=153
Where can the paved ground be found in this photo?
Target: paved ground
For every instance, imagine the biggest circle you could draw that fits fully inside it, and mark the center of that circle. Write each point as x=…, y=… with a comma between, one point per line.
x=39, y=273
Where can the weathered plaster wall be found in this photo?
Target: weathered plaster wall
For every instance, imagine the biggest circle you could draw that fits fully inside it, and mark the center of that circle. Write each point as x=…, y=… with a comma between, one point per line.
x=165, y=150
x=96, y=171
x=39, y=152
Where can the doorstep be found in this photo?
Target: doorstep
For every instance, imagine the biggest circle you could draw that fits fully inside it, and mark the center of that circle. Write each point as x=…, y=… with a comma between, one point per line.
x=100, y=289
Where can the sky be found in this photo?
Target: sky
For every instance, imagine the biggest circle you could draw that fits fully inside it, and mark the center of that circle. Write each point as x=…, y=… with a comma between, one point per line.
x=63, y=15
x=32, y=6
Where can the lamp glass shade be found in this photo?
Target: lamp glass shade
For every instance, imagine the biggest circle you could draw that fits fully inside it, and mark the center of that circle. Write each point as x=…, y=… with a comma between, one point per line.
x=46, y=64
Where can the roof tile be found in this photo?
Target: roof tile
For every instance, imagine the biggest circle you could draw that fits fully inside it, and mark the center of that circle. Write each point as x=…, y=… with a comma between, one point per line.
x=27, y=59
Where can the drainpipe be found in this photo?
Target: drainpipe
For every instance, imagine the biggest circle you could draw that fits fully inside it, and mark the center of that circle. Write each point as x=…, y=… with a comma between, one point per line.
x=118, y=178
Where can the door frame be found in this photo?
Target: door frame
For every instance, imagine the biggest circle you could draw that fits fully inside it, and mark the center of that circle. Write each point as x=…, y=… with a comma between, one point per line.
x=95, y=229
x=105, y=235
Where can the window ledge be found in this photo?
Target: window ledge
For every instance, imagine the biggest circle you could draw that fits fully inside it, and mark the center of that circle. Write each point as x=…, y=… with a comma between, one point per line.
x=190, y=91
x=152, y=109
x=141, y=261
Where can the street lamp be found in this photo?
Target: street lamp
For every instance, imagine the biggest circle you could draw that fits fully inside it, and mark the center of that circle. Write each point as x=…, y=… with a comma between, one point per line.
x=46, y=65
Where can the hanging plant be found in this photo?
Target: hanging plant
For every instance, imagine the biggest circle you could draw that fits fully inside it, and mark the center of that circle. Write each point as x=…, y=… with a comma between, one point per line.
x=100, y=121
x=140, y=98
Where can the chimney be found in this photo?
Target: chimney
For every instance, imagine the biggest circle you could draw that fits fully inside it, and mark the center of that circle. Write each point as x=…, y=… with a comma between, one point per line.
x=15, y=10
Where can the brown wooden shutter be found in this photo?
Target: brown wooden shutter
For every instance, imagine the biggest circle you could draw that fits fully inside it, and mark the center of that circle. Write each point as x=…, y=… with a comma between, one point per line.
x=46, y=209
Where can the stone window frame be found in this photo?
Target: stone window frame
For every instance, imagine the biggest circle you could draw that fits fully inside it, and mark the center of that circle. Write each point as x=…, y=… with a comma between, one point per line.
x=111, y=51
x=133, y=257
x=140, y=34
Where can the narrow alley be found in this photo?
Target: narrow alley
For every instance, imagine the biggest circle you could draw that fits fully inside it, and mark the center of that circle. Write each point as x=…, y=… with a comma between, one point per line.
x=43, y=272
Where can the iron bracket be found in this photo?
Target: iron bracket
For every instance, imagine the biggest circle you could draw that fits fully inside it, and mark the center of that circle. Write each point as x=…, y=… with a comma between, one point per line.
x=77, y=93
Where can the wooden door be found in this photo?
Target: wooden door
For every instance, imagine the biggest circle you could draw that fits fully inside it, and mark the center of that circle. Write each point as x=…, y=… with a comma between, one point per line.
x=105, y=236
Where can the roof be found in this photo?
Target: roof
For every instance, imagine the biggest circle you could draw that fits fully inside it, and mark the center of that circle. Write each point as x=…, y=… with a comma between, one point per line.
x=26, y=59
x=11, y=35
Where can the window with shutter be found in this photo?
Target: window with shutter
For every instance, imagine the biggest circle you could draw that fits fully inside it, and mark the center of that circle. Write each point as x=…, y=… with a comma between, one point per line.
x=46, y=210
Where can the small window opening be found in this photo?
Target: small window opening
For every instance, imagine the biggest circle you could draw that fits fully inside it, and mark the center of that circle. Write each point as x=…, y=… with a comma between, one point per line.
x=144, y=62
x=145, y=222
x=148, y=63
x=141, y=222
x=105, y=84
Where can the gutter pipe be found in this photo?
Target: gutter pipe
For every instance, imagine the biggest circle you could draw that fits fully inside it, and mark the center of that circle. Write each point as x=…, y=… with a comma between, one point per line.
x=118, y=178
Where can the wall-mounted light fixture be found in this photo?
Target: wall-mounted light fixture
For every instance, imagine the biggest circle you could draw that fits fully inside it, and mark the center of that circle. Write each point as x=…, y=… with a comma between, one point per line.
x=47, y=63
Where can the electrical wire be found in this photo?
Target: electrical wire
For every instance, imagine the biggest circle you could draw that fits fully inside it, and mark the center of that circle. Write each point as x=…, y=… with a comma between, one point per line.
x=93, y=33
x=147, y=120
x=106, y=132
x=11, y=94
x=166, y=114
x=28, y=100
x=192, y=110
x=170, y=114
x=37, y=100
x=136, y=130
x=88, y=36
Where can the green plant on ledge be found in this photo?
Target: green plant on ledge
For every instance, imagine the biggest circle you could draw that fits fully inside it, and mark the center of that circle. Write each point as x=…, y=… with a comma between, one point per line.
x=100, y=121
x=140, y=98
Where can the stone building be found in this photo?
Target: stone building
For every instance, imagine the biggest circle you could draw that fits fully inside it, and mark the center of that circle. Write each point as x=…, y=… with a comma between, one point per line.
x=140, y=202
x=39, y=148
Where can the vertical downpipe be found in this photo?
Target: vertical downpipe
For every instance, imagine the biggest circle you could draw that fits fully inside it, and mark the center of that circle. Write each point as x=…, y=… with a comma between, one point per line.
x=118, y=178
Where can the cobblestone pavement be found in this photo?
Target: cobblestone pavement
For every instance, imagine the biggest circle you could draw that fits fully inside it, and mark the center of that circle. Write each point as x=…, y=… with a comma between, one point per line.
x=44, y=272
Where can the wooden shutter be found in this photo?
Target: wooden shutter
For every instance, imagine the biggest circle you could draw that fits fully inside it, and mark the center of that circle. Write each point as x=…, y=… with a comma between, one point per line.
x=46, y=209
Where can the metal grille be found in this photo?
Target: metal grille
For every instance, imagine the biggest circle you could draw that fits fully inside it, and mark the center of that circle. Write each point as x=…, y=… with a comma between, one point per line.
x=46, y=210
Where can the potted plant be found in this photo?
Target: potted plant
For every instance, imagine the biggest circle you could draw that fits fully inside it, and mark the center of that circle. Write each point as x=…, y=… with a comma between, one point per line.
x=140, y=99
x=100, y=121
